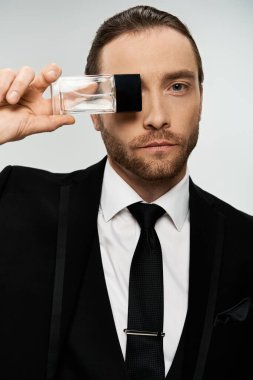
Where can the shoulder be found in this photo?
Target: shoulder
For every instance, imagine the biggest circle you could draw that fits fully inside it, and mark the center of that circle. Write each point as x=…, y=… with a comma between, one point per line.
x=23, y=179
x=229, y=212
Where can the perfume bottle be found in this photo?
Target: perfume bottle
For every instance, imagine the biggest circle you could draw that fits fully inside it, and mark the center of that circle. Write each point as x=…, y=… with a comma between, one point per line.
x=97, y=94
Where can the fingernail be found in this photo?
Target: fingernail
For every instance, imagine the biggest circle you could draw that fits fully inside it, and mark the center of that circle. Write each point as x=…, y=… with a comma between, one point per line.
x=13, y=96
x=52, y=74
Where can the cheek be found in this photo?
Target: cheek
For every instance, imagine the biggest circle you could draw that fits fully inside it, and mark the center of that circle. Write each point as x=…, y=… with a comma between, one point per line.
x=124, y=126
x=185, y=120
x=186, y=113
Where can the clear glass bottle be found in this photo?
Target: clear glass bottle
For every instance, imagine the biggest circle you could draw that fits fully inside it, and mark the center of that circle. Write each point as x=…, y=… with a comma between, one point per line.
x=97, y=94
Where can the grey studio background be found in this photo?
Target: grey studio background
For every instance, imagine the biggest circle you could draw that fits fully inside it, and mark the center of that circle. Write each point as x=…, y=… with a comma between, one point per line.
x=35, y=33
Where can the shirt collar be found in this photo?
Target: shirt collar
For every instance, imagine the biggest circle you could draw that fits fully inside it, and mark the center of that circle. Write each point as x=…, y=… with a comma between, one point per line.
x=117, y=195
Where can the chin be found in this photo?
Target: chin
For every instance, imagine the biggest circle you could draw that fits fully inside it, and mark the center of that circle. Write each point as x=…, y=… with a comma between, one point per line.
x=155, y=170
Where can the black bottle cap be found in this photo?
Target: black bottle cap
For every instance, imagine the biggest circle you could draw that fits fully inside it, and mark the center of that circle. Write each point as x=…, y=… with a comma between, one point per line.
x=128, y=92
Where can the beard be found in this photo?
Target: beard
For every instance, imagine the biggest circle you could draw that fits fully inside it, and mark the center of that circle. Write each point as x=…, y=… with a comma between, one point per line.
x=157, y=167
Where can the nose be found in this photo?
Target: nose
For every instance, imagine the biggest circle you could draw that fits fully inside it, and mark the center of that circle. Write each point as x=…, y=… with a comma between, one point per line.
x=156, y=113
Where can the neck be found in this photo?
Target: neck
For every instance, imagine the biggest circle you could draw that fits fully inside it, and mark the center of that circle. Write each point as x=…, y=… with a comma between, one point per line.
x=148, y=190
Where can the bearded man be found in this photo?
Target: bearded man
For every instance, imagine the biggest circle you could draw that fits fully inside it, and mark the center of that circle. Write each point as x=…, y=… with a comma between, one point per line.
x=127, y=269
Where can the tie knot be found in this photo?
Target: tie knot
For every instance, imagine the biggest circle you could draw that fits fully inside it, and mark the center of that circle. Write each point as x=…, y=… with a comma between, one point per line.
x=146, y=214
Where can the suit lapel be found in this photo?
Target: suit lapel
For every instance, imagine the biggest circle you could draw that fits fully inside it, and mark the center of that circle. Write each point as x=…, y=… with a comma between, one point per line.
x=84, y=277
x=93, y=337
x=206, y=240
x=82, y=225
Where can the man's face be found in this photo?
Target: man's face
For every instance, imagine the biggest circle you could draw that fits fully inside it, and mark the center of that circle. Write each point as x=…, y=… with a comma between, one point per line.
x=154, y=144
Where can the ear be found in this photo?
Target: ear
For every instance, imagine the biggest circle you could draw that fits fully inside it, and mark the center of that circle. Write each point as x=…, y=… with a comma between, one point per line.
x=96, y=122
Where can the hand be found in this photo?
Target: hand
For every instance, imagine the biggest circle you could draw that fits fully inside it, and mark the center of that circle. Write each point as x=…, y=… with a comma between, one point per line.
x=23, y=110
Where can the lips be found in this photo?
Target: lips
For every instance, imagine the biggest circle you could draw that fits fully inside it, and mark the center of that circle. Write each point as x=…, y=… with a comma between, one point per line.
x=157, y=144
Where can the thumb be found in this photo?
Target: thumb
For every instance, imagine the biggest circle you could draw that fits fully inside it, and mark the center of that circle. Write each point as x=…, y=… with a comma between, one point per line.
x=49, y=123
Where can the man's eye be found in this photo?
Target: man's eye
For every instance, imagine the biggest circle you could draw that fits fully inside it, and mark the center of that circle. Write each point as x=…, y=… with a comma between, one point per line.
x=177, y=87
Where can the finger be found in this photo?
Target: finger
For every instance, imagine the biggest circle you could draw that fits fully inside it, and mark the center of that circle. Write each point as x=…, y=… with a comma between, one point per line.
x=20, y=84
x=7, y=76
x=48, y=75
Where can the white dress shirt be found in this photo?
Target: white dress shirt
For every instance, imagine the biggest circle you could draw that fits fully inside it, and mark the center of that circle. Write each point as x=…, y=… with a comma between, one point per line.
x=118, y=235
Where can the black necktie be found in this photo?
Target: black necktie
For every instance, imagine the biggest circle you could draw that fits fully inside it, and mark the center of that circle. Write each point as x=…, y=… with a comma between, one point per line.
x=144, y=353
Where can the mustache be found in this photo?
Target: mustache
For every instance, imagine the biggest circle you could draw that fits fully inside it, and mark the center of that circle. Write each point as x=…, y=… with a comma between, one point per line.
x=171, y=137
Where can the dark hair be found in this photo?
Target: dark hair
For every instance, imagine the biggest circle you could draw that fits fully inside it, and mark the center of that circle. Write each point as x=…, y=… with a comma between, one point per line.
x=136, y=19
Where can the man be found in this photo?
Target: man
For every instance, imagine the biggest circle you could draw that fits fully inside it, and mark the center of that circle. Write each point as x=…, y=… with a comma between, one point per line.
x=67, y=240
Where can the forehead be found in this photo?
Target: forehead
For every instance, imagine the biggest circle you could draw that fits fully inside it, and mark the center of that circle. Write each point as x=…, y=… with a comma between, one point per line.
x=150, y=52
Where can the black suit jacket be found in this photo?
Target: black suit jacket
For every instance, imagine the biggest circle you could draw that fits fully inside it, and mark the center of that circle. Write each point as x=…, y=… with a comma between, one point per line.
x=48, y=228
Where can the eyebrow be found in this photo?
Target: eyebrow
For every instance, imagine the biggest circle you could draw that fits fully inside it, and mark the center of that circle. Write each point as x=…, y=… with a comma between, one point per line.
x=173, y=75
x=179, y=74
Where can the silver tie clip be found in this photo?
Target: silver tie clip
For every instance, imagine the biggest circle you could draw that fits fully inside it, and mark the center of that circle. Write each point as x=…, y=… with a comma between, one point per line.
x=144, y=333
